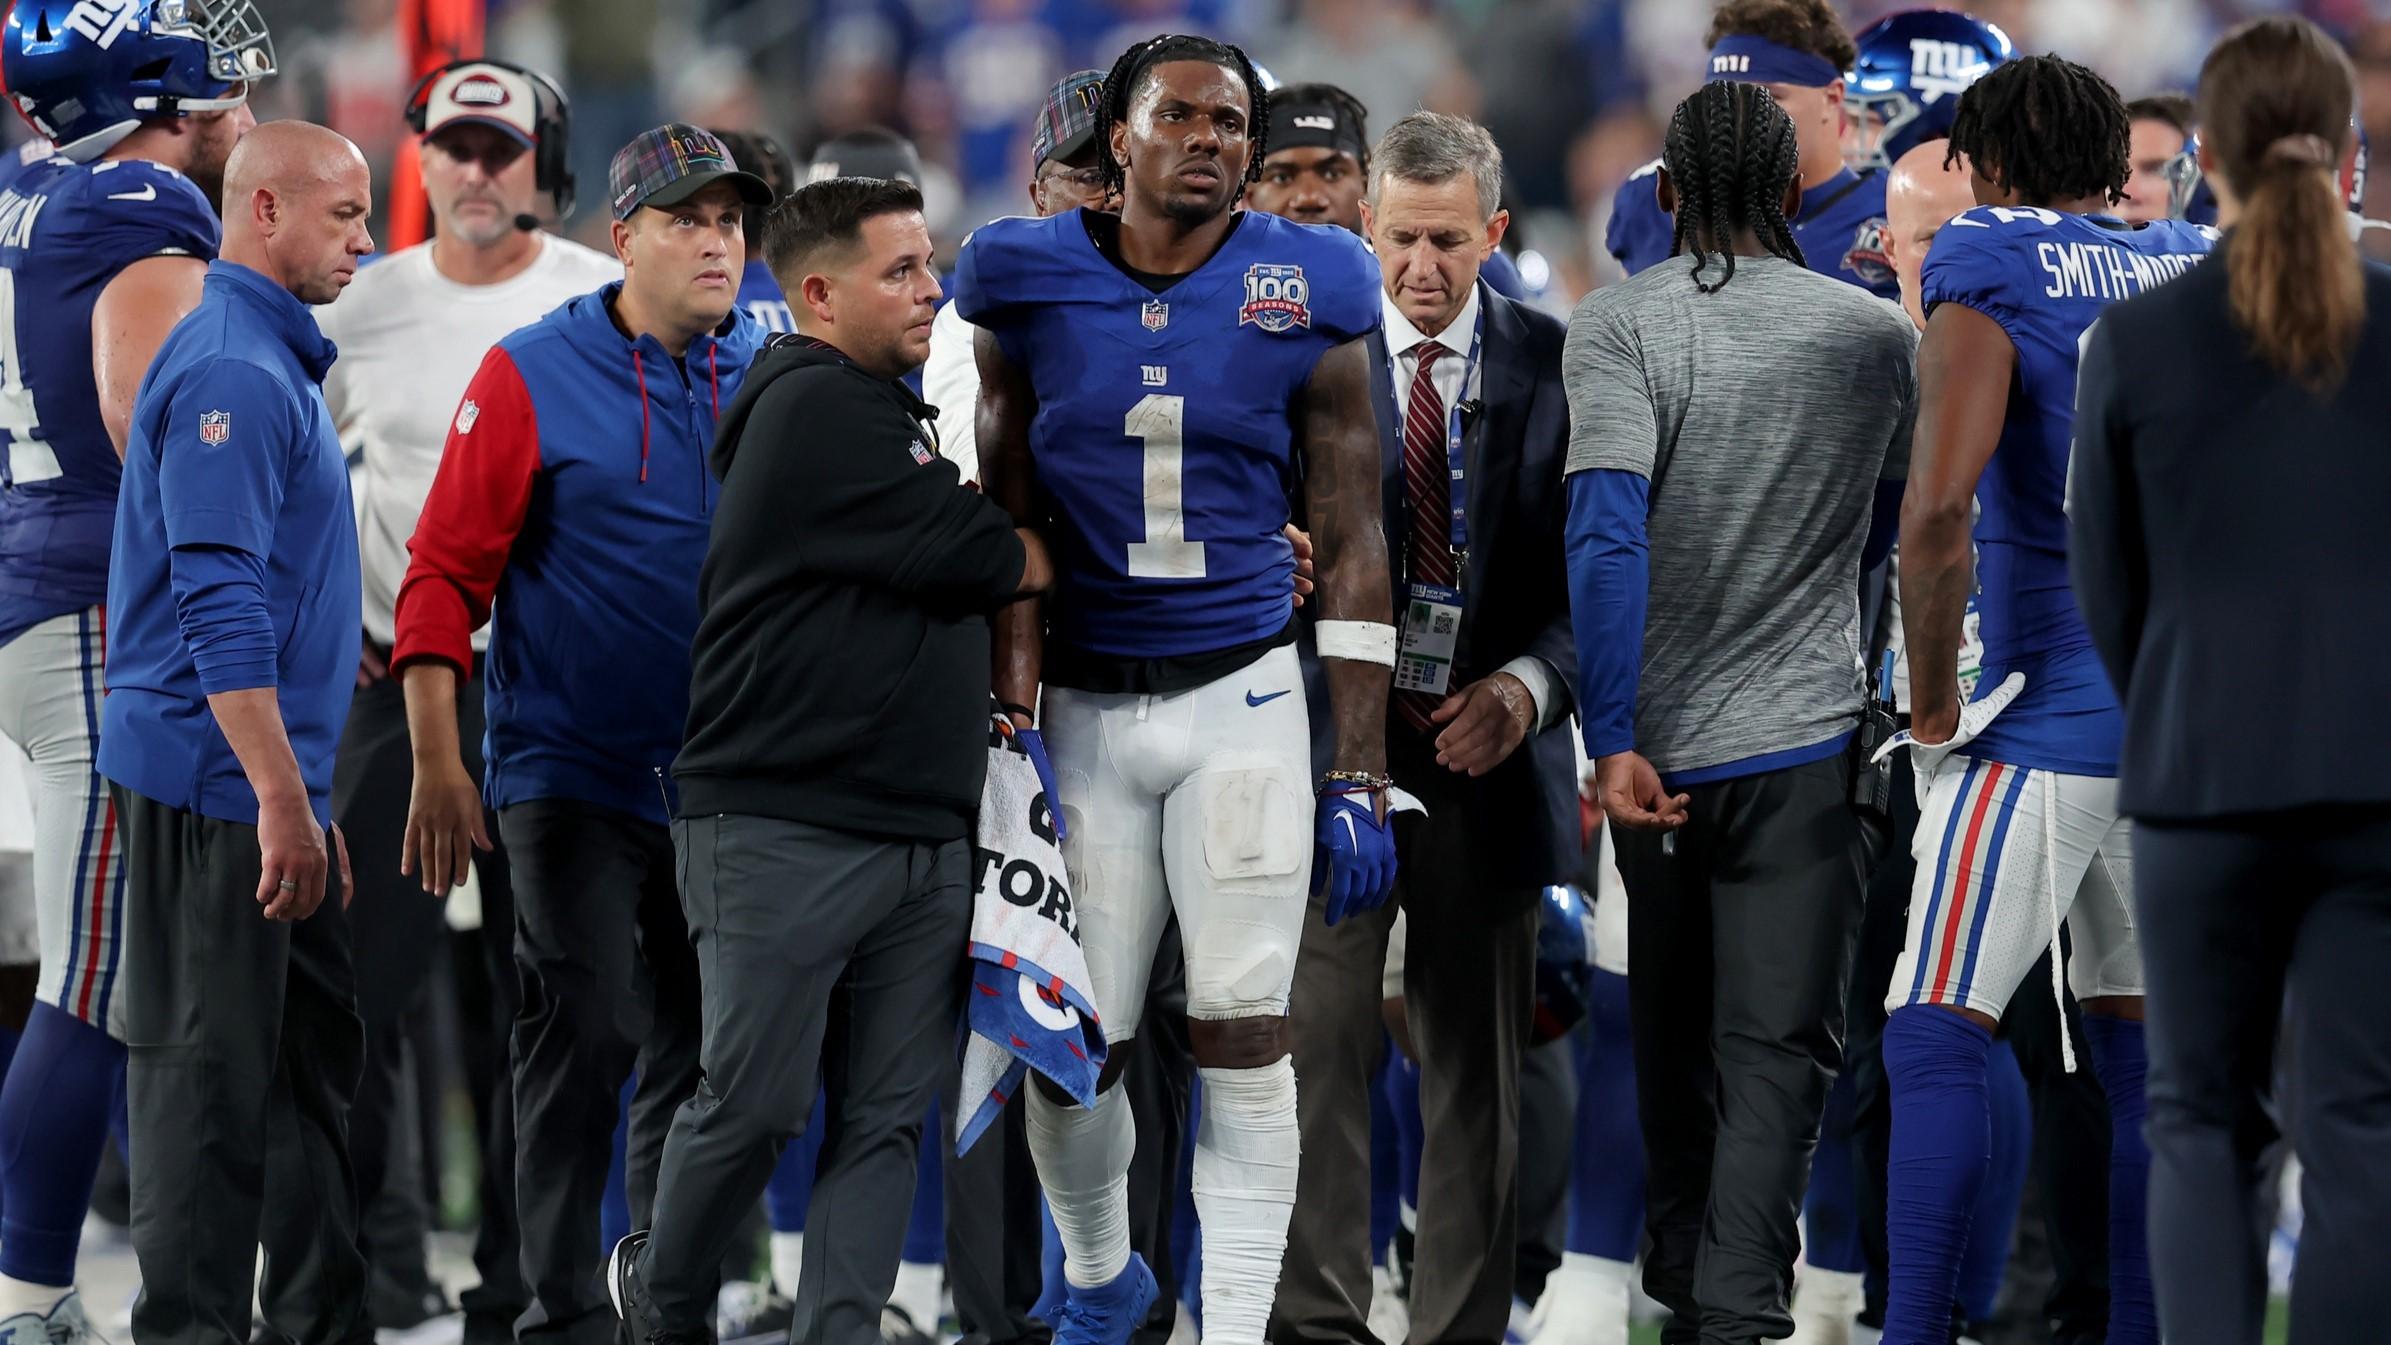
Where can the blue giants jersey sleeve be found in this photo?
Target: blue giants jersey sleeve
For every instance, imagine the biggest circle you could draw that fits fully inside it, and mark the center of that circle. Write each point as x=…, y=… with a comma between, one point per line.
x=1841, y=228
x=2044, y=277
x=760, y=295
x=1165, y=431
x=66, y=230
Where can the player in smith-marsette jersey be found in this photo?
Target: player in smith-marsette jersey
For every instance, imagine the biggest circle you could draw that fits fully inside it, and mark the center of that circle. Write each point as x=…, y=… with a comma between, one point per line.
x=1152, y=386
x=102, y=249
x=2019, y=825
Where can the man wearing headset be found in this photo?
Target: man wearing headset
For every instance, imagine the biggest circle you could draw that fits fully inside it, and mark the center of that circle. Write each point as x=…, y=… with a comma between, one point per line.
x=411, y=331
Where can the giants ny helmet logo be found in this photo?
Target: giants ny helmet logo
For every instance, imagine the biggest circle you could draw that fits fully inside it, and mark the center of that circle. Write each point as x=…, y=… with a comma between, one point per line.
x=1276, y=298
x=1939, y=68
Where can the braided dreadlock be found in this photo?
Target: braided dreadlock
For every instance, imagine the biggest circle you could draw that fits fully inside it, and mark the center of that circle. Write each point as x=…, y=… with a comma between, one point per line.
x=1349, y=110
x=2046, y=128
x=1121, y=82
x=1730, y=154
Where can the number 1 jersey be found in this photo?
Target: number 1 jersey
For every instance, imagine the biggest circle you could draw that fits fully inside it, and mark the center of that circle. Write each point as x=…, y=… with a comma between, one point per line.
x=66, y=230
x=1164, y=439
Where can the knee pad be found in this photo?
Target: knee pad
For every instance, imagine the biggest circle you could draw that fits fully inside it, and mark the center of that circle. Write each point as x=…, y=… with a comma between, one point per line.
x=1243, y=928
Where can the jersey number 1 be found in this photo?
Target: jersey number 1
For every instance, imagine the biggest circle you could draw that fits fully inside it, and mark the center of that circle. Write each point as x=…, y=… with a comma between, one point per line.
x=1158, y=421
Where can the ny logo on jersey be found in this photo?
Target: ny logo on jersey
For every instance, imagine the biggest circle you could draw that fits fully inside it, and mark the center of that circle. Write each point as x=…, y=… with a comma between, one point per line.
x=103, y=21
x=1156, y=315
x=1276, y=298
x=215, y=427
x=1156, y=375
x=1938, y=68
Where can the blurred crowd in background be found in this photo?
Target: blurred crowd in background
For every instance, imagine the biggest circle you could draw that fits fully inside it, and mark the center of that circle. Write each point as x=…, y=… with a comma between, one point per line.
x=1574, y=90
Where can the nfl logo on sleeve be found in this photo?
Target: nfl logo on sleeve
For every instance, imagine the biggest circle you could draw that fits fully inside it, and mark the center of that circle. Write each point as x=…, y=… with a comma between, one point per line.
x=215, y=427
x=1276, y=298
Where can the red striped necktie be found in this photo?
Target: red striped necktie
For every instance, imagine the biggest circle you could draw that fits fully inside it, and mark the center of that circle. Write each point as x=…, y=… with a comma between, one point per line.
x=1428, y=486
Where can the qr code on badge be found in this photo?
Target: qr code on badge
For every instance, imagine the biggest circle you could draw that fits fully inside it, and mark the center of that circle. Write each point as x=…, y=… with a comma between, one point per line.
x=1443, y=622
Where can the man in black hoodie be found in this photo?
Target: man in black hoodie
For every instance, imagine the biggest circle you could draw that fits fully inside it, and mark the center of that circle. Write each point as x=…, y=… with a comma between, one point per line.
x=838, y=730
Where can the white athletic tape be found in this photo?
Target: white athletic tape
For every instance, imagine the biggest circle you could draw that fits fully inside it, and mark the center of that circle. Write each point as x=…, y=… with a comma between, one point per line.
x=1357, y=641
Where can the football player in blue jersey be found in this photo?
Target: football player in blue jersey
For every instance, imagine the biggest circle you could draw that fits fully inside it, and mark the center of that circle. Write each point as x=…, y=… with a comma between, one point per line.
x=1153, y=385
x=1798, y=50
x=759, y=293
x=2019, y=826
x=1903, y=89
x=102, y=249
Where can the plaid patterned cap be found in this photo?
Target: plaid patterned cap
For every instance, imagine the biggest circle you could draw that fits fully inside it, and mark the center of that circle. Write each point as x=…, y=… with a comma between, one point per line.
x=672, y=163
x=1068, y=119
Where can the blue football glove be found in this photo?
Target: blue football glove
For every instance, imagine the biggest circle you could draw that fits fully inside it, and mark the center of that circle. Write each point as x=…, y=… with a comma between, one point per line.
x=1354, y=858
x=1034, y=744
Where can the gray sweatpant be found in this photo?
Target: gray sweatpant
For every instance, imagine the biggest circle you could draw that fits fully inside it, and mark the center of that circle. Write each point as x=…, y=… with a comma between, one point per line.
x=826, y=950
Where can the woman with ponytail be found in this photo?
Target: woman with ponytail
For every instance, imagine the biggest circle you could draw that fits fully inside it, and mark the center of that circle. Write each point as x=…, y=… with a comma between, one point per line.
x=2229, y=484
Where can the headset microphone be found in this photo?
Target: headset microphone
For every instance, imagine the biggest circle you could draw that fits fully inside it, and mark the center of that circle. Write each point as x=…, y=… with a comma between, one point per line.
x=527, y=223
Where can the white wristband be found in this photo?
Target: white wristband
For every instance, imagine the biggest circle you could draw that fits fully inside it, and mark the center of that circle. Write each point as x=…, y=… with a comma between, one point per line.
x=1357, y=641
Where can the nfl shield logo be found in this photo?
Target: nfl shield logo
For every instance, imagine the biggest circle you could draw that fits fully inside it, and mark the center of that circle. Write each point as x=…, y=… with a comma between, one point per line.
x=215, y=427
x=922, y=454
x=1276, y=298
x=1157, y=315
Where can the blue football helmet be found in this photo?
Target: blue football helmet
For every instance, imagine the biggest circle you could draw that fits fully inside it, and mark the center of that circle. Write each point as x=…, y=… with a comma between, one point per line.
x=2191, y=199
x=87, y=73
x=1564, y=962
x=1904, y=88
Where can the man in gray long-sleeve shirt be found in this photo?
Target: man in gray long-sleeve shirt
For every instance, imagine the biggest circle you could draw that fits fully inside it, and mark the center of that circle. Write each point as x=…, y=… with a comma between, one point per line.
x=1735, y=420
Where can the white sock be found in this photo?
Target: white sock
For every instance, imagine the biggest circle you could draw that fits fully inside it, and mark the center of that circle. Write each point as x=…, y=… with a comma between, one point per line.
x=1083, y=1158
x=788, y=1261
x=1586, y=1302
x=1829, y=1295
x=1245, y=1160
x=25, y=1296
x=917, y=1294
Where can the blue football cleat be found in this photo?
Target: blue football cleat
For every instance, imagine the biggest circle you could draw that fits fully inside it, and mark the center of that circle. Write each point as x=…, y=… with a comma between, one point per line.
x=1107, y=1315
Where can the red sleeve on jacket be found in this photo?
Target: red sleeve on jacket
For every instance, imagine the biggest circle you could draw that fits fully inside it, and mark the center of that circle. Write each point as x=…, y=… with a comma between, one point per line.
x=470, y=519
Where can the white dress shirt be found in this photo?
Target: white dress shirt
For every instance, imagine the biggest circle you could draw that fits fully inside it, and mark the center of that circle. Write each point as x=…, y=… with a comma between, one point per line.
x=1457, y=381
x=410, y=339
x=951, y=382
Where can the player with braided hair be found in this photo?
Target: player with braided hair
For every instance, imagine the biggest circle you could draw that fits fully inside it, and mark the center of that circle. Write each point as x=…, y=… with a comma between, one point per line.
x=1731, y=392
x=1149, y=384
x=1722, y=167
x=1112, y=111
x=2019, y=822
x=1796, y=51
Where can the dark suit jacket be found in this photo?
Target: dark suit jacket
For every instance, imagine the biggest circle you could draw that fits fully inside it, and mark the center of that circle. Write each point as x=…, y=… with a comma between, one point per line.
x=2228, y=546
x=1515, y=597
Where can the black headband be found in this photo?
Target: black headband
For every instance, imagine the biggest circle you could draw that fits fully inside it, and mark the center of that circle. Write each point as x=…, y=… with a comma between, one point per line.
x=1313, y=126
